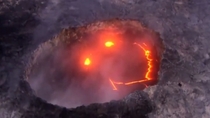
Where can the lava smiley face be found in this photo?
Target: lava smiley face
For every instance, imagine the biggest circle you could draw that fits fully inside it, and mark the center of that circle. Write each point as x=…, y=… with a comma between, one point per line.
x=96, y=63
x=119, y=62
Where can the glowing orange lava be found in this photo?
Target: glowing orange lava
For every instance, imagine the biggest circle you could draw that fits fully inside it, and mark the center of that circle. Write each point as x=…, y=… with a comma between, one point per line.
x=109, y=44
x=87, y=62
x=114, y=87
x=147, y=75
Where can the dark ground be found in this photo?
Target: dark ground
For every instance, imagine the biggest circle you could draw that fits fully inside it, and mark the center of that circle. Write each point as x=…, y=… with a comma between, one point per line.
x=182, y=91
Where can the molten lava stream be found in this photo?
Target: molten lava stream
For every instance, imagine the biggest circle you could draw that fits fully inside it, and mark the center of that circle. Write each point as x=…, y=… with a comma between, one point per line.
x=147, y=75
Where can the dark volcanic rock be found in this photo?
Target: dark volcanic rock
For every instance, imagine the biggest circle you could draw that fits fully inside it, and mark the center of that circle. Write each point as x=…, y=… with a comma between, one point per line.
x=183, y=25
x=137, y=105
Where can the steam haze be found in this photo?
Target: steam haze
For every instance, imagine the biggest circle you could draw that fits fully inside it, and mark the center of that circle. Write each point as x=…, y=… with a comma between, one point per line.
x=61, y=78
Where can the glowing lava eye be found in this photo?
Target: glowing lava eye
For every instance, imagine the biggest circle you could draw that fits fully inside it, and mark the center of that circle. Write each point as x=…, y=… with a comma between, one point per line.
x=87, y=62
x=109, y=44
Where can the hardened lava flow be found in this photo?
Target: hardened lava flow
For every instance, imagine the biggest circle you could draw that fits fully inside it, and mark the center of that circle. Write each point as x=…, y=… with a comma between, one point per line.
x=95, y=63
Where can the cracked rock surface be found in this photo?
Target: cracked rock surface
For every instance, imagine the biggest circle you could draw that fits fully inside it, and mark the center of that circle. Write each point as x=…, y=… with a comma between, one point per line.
x=182, y=91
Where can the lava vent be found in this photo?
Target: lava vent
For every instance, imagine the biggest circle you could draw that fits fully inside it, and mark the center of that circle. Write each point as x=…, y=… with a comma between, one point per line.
x=95, y=63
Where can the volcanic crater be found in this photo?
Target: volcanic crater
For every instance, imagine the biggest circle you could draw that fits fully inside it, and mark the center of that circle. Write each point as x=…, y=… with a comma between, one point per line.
x=96, y=63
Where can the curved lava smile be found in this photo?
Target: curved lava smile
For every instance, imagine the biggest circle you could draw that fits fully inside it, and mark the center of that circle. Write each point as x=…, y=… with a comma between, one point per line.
x=114, y=83
x=89, y=64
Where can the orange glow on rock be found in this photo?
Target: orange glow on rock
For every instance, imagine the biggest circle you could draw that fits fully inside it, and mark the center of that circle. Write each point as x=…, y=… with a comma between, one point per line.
x=109, y=44
x=87, y=62
x=113, y=85
x=149, y=61
x=109, y=39
x=147, y=75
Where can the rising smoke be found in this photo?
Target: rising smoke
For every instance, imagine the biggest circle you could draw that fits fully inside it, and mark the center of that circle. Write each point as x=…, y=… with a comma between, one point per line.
x=57, y=74
x=60, y=77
